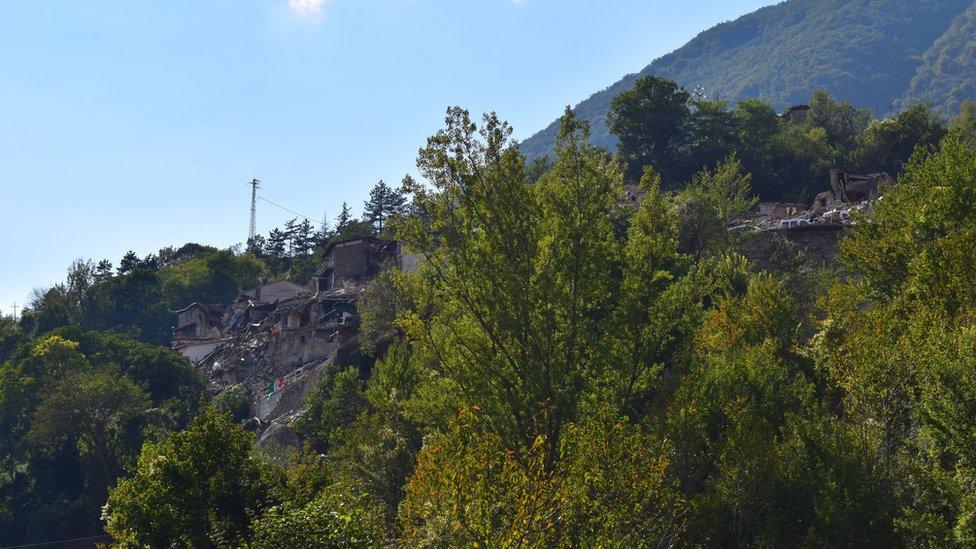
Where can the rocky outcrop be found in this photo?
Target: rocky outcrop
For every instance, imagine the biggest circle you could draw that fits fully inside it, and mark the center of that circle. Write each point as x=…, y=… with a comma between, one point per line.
x=799, y=249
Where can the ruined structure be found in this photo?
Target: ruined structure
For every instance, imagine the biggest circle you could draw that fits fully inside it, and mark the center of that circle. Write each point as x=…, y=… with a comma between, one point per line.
x=849, y=188
x=274, y=292
x=796, y=114
x=775, y=211
x=277, y=340
x=198, y=321
x=350, y=263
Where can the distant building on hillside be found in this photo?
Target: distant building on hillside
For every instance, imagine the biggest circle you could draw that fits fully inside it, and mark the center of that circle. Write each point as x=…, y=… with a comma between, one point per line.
x=353, y=262
x=852, y=187
x=198, y=321
x=274, y=292
x=796, y=114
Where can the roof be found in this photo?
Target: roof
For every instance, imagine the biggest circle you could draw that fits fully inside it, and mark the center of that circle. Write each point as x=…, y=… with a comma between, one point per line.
x=371, y=239
x=275, y=291
x=795, y=108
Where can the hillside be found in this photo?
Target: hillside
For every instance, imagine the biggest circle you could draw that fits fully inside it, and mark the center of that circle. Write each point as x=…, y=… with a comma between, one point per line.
x=880, y=54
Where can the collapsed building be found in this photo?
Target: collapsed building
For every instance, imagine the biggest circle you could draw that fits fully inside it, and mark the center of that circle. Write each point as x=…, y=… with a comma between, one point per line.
x=275, y=341
x=779, y=234
x=849, y=188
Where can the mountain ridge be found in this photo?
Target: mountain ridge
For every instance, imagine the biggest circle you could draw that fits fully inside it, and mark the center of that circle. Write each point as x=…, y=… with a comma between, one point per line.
x=885, y=55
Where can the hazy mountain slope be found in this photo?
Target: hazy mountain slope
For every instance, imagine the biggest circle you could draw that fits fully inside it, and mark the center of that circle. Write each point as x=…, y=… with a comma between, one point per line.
x=868, y=51
x=947, y=75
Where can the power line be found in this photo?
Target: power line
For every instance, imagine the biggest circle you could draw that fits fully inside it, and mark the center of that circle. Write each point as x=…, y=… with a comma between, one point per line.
x=60, y=541
x=212, y=209
x=289, y=210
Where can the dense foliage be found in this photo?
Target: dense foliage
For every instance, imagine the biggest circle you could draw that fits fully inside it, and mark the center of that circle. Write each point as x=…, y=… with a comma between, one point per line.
x=883, y=55
x=662, y=125
x=75, y=407
x=563, y=369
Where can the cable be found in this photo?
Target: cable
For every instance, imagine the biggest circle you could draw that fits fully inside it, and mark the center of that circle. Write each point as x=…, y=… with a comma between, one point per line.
x=102, y=536
x=303, y=216
x=211, y=210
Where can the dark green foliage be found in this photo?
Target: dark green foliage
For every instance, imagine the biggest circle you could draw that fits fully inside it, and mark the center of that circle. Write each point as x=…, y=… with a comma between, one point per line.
x=877, y=54
x=75, y=408
x=140, y=298
x=650, y=119
x=887, y=146
x=385, y=203
x=334, y=404
x=234, y=401
x=196, y=488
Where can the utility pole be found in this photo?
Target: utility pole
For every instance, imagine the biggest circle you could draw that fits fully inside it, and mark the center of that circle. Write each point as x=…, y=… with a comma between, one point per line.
x=15, y=310
x=255, y=184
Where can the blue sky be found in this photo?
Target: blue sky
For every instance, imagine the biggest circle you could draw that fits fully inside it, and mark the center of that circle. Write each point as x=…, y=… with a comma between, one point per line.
x=122, y=122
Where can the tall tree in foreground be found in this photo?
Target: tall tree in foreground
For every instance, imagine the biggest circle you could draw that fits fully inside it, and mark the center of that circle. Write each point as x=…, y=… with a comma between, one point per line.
x=512, y=315
x=518, y=273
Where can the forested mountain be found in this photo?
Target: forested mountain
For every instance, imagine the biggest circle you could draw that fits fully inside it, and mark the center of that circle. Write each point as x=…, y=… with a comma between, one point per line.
x=883, y=55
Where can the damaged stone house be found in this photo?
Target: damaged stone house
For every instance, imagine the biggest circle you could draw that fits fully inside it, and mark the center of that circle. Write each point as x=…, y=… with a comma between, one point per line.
x=850, y=188
x=350, y=263
x=775, y=211
x=276, y=340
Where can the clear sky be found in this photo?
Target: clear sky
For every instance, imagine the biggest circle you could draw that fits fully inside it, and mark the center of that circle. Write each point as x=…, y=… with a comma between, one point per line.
x=134, y=124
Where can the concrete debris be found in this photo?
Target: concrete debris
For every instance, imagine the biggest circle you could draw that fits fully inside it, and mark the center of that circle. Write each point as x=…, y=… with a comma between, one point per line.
x=838, y=207
x=277, y=340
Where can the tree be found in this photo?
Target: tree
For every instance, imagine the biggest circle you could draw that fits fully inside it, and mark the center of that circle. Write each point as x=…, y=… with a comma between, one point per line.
x=514, y=286
x=889, y=144
x=896, y=345
x=332, y=520
x=840, y=119
x=98, y=413
x=757, y=125
x=344, y=219
x=651, y=119
x=712, y=134
x=11, y=336
x=965, y=122
x=710, y=204
x=384, y=203
x=334, y=404
x=196, y=488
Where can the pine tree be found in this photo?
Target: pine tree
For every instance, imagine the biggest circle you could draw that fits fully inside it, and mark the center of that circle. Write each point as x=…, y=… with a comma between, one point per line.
x=384, y=202
x=275, y=248
x=303, y=239
x=344, y=219
x=291, y=227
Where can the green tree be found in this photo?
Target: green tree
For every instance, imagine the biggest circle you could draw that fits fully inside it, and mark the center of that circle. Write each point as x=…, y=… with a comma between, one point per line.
x=842, y=122
x=651, y=120
x=515, y=284
x=713, y=201
x=965, y=122
x=197, y=488
x=384, y=203
x=333, y=405
x=889, y=144
x=712, y=134
x=100, y=414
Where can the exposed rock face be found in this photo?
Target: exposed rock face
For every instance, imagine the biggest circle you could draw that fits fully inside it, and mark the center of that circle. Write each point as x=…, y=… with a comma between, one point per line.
x=279, y=436
x=806, y=248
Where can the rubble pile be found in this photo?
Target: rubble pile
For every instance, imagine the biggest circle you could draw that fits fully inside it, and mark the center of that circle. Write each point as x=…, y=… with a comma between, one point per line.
x=849, y=194
x=277, y=340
